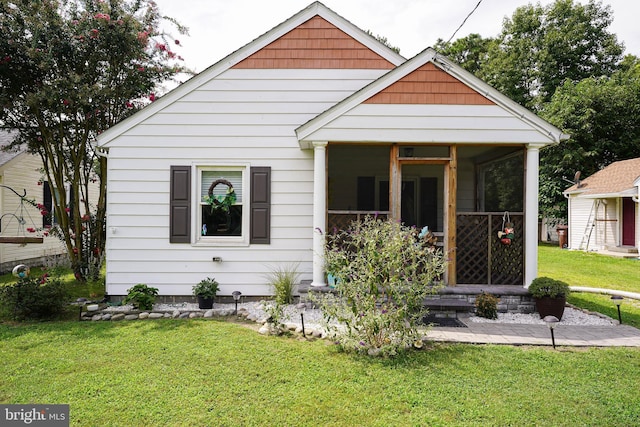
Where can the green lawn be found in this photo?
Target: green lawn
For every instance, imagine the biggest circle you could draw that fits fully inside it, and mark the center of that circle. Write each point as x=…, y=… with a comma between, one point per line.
x=199, y=372
x=592, y=270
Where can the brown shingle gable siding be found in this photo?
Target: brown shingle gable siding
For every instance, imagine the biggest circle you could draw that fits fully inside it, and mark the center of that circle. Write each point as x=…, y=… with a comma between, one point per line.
x=429, y=85
x=316, y=44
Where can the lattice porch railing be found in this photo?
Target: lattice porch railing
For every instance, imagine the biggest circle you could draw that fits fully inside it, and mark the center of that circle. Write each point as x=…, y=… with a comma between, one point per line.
x=481, y=257
x=340, y=220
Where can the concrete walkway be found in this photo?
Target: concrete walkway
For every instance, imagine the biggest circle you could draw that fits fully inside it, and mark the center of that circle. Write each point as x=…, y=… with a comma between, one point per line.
x=522, y=334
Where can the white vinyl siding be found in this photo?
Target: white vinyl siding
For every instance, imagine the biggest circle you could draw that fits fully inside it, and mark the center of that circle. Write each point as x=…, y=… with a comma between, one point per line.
x=240, y=117
x=450, y=124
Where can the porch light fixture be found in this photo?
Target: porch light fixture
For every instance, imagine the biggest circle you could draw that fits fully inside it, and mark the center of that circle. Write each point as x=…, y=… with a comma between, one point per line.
x=617, y=300
x=551, y=323
x=236, y=298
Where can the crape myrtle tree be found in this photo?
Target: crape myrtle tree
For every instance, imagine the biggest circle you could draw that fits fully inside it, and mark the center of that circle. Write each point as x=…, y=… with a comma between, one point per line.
x=69, y=69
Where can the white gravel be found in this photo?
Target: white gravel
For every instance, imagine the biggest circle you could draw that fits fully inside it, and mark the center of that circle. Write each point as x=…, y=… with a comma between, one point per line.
x=571, y=315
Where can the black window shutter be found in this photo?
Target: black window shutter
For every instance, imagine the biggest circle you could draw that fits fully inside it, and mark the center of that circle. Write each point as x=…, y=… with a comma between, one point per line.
x=260, y=205
x=180, y=205
x=47, y=202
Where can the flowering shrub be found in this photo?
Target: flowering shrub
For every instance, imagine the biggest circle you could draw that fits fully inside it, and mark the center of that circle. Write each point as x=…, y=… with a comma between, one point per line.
x=31, y=298
x=383, y=274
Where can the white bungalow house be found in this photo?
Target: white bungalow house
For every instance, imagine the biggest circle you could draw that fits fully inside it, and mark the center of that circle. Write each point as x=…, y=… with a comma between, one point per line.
x=603, y=209
x=314, y=124
x=20, y=175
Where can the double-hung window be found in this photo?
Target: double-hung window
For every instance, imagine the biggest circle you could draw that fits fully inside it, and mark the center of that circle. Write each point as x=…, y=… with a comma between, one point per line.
x=222, y=212
x=220, y=204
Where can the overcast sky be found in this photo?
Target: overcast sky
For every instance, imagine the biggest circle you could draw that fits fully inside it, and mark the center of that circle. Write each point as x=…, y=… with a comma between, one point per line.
x=219, y=27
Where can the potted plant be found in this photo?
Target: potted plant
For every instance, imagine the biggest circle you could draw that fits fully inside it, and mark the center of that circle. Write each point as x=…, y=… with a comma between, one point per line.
x=550, y=295
x=205, y=291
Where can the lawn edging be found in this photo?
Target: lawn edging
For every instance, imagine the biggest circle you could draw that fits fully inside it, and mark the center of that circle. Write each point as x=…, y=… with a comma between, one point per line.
x=613, y=292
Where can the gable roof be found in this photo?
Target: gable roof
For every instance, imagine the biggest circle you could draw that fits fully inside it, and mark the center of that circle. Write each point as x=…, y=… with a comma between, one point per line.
x=6, y=138
x=362, y=42
x=618, y=179
x=457, y=86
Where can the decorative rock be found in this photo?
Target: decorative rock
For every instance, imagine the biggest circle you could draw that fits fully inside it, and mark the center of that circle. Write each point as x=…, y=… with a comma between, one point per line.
x=106, y=316
x=208, y=314
x=317, y=334
x=252, y=317
x=301, y=306
x=155, y=315
x=195, y=314
x=131, y=317
x=299, y=330
x=291, y=326
x=183, y=315
x=143, y=315
x=119, y=316
x=96, y=317
x=264, y=330
x=168, y=315
x=175, y=314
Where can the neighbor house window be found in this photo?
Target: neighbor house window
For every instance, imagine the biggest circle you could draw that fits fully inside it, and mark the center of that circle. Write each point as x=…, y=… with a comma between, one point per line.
x=222, y=200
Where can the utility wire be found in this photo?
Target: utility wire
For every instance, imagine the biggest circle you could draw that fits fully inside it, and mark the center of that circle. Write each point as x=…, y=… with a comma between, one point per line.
x=463, y=22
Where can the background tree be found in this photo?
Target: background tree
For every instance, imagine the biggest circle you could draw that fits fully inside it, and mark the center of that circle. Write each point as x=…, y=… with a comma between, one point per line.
x=540, y=47
x=471, y=52
x=562, y=61
x=70, y=69
x=602, y=115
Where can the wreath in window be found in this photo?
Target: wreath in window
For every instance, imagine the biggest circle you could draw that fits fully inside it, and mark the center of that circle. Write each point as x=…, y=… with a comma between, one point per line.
x=221, y=202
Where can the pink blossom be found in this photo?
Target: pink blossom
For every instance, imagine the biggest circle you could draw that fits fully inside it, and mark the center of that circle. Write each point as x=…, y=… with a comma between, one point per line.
x=129, y=105
x=31, y=230
x=152, y=97
x=67, y=210
x=94, y=33
x=141, y=69
x=161, y=46
x=102, y=16
x=65, y=102
x=177, y=41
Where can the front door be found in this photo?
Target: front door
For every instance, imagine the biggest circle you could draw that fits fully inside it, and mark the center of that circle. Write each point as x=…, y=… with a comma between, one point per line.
x=628, y=222
x=422, y=195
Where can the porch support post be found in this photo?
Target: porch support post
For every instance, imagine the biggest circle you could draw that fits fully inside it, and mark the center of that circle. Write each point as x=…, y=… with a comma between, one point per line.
x=319, y=210
x=451, y=216
x=531, y=214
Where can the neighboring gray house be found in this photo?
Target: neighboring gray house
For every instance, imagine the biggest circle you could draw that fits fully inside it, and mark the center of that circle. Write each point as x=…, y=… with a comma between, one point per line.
x=21, y=171
x=603, y=209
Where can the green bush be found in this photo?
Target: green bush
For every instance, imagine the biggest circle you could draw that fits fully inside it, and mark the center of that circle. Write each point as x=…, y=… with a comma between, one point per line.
x=384, y=273
x=541, y=287
x=283, y=279
x=141, y=296
x=34, y=299
x=487, y=306
x=206, y=288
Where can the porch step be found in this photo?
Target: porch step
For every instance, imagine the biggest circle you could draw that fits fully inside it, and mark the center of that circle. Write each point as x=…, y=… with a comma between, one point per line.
x=622, y=249
x=457, y=305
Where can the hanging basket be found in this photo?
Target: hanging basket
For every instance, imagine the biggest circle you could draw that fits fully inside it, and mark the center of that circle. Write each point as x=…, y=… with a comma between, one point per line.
x=506, y=233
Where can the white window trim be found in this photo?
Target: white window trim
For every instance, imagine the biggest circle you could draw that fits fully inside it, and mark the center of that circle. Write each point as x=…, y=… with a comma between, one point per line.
x=196, y=211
